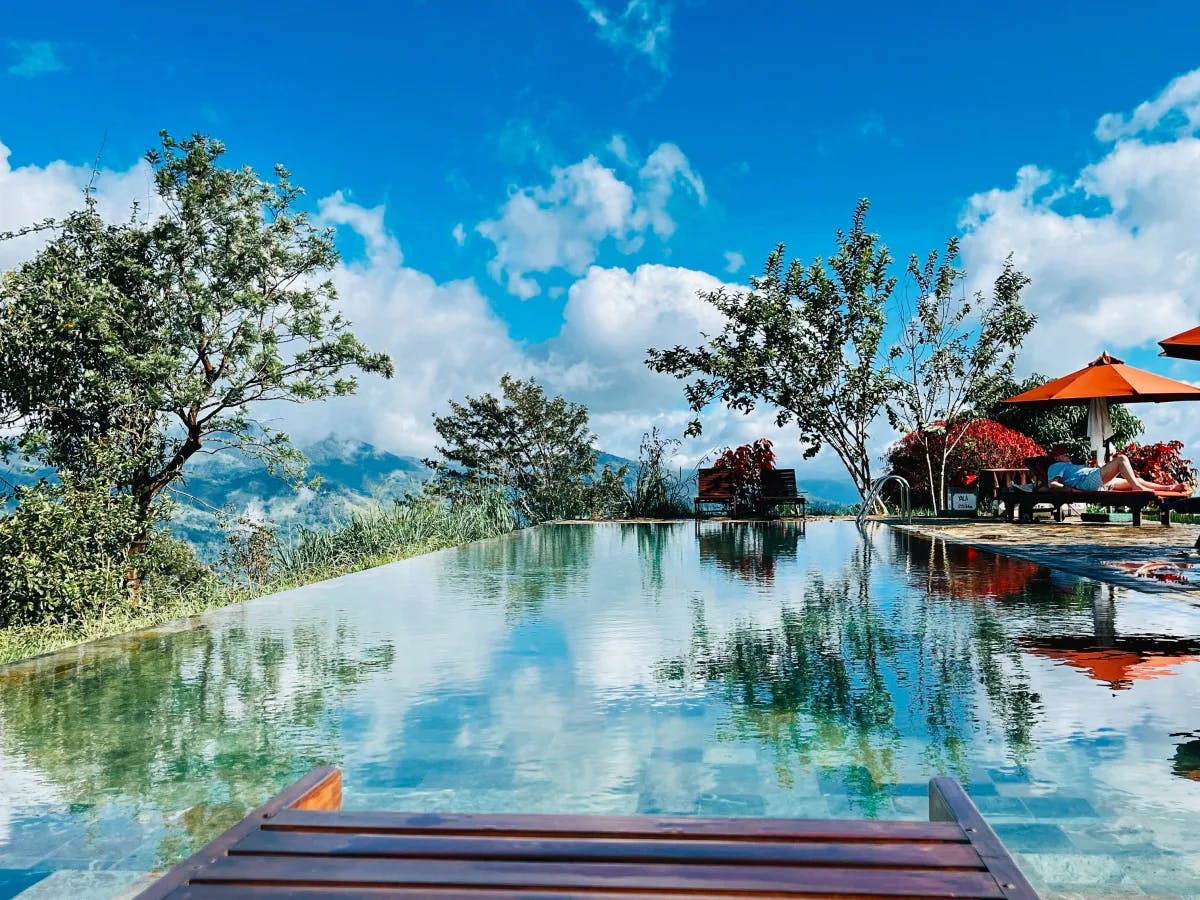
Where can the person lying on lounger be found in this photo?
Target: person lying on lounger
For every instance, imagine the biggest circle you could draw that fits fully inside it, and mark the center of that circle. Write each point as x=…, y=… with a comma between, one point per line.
x=1115, y=475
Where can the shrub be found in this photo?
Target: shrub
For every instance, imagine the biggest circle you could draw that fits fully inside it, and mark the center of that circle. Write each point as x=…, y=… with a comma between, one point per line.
x=747, y=463
x=1161, y=462
x=655, y=490
x=63, y=552
x=981, y=444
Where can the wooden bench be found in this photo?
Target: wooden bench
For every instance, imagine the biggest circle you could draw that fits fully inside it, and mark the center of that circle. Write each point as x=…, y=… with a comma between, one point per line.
x=300, y=844
x=1021, y=503
x=714, y=486
x=779, y=489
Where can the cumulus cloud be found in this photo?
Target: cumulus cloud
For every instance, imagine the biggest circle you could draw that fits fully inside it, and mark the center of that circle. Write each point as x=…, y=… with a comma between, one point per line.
x=641, y=27
x=459, y=234
x=29, y=194
x=35, y=58
x=562, y=225
x=733, y=261
x=1110, y=249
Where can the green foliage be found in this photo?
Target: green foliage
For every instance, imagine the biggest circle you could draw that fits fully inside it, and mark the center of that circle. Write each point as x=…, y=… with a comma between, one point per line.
x=62, y=552
x=1049, y=426
x=655, y=491
x=953, y=356
x=805, y=341
x=428, y=521
x=538, y=450
x=149, y=339
x=64, y=555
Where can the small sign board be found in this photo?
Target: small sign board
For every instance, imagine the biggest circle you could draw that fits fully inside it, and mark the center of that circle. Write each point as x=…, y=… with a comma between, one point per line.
x=960, y=501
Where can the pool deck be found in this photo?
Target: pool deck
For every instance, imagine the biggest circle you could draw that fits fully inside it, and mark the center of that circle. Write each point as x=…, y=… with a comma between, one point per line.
x=1116, y=553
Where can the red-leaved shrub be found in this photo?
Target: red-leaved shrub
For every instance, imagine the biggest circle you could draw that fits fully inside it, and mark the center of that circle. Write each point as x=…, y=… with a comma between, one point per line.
x=1161, y=462
x=982, y=444
x=747, y=463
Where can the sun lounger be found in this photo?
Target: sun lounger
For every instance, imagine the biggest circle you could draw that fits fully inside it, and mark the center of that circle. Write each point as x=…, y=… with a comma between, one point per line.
x=714, y=486
x=779, y=489
x=1021, y=503
x=301, y=844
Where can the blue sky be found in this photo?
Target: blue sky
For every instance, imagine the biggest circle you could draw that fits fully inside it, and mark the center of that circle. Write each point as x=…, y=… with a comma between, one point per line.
x=536, y=176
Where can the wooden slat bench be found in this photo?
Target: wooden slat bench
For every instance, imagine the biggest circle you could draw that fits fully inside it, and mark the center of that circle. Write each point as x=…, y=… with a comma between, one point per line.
x=779, y=489
x=299, y=844
x=714, y=486
x=1022, y=503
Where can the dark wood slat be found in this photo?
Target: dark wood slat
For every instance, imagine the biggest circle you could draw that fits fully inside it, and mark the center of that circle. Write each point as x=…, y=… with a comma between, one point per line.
x=315, y=784
x=275, y=892
x=424, y=846
x=708, y=879
x=746, y=829
x=948, y=800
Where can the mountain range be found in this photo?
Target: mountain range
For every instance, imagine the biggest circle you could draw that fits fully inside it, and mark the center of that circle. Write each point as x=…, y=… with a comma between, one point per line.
x=353, y=476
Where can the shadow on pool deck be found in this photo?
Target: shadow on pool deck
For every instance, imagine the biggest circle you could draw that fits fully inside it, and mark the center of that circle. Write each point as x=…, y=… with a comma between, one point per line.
x=1150, y=558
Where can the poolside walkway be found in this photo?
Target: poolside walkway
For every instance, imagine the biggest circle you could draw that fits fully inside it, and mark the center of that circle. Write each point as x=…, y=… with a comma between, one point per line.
x=1151, y=558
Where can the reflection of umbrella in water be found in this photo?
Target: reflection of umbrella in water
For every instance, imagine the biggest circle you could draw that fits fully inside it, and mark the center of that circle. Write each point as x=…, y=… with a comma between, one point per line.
x=1120, y=663
x=1106, y=380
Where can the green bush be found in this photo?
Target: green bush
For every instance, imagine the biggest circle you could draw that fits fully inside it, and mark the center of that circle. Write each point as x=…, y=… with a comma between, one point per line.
x=63, y=552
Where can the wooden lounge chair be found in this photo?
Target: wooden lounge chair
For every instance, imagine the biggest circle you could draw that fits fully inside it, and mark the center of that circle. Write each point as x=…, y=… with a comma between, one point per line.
x=779, y=489
x=714, y=486
x=1023, y=502
x=300, y=844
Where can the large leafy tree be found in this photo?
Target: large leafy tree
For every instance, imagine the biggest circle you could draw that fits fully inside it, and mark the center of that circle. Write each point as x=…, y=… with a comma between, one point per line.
x=1051, y=425
x=538, y=448
x=806, y=341
x=160, y=337
x=954, y=355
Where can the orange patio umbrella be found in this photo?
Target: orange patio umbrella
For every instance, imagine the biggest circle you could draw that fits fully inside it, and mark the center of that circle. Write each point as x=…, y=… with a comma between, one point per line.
x=1185, y=345
x=1105, y=380
x=1125, y=660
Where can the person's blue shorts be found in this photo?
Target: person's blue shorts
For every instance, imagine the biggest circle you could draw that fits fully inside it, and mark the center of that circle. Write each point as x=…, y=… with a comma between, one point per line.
x=1090, y=481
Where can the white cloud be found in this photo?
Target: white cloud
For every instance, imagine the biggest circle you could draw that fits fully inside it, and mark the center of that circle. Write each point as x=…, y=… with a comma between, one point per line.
x=29, y=194
x=642, y=27
x=733, y=261
x=563, y=225
x=35, y=58
x=1111, y=249
x=459, y=234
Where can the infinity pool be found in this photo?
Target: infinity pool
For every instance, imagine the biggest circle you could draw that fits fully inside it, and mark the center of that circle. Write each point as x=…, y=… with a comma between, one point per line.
x=727, y=670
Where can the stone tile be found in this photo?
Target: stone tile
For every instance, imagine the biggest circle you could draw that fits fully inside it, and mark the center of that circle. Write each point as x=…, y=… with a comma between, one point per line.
x=1031, y=837
x=14, y=881
x=1001, y=806
x=727, y=754
x=81, y=885
x=1069, y=871
x=731, y=805
x=1058, y=807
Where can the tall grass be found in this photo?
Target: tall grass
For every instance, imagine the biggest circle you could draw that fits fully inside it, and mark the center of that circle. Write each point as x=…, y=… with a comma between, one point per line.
x=416, y=525
x=419, y=525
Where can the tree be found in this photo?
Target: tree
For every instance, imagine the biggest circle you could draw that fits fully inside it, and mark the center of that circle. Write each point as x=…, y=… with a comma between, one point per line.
x=539, y=449
x=954, y=353
x=1051, y=425
x=156, y=340
x=806, y=342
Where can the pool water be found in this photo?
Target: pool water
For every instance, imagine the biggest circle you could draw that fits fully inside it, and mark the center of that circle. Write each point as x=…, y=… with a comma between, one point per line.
x=725, y=669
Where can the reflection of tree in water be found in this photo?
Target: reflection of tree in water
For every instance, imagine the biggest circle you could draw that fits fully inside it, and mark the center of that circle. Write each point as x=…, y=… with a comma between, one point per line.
x=1187, y=758
x=845, y=678
x=653, y=540
x=196, y=727
x=749, y=549
x=523, y=569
